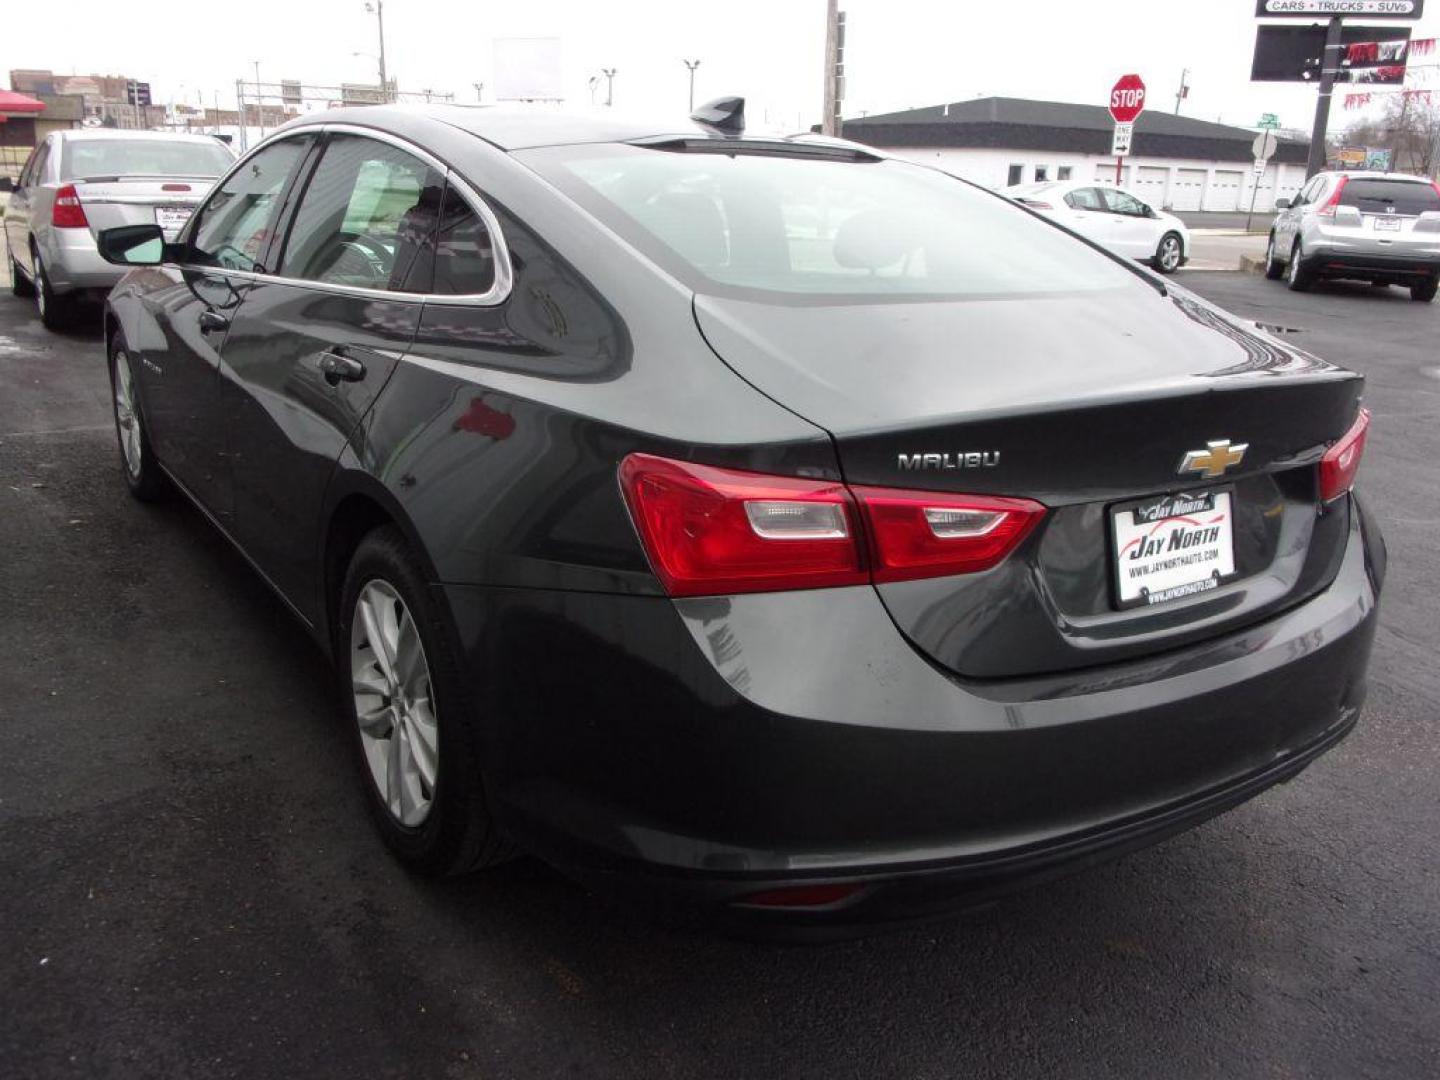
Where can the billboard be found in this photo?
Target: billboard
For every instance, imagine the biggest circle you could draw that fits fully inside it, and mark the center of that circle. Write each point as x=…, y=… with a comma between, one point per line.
x=528, y=69
x=1294, y=53
x=1368, y=9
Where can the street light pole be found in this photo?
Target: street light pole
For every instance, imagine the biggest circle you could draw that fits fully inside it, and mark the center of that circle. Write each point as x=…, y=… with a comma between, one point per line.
x=479, y=91
x=609, y=74
x=1180, y=94
x=378, y=10
x=259, y=99
x=692, y=65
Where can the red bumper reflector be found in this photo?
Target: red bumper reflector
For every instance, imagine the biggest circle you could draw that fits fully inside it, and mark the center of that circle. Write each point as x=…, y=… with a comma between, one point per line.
x=1342, y=461
x=801, y=896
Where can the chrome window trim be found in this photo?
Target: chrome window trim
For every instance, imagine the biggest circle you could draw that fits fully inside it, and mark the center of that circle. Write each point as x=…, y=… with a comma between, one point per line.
x=500, y=288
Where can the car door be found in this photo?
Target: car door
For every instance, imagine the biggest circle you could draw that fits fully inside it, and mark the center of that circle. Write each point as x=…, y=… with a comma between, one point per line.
x=187, y=320
x=18, y=210
x=1133, y=231
x=1087, y=214
x=1288, y=223
x=313, y=345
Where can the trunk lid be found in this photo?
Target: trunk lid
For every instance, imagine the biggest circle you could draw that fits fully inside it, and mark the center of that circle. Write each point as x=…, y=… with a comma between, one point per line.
x=109, y=203
x=1083, y=403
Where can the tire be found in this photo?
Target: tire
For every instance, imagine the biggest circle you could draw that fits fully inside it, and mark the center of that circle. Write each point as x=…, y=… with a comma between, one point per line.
x=1425, y=291
x=1296, y=275
x=54, y=310
x=137, y=461
x=413, y=709
x=1169, y=254
x=1274, y=268
x=20, y=285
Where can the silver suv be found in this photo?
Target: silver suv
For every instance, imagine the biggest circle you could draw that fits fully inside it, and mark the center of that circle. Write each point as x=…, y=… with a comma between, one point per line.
x=1383, y=228
x=79, y=182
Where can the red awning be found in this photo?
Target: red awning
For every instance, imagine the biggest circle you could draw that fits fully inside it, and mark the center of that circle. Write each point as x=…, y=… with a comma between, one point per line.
x=11, y=102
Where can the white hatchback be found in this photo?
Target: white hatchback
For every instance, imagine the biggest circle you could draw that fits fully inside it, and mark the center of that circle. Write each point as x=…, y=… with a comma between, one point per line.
x=1111, y=217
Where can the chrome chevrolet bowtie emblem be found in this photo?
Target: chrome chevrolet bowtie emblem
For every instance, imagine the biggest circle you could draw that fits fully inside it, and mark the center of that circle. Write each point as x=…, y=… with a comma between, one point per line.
x=1217, y=456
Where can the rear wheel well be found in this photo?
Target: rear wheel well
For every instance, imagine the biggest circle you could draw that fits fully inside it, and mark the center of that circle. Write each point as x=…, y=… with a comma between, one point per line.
x=354, y=518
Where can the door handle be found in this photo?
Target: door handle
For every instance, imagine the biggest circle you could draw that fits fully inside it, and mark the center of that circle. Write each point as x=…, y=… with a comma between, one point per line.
x=212, y=321
x=337, y=368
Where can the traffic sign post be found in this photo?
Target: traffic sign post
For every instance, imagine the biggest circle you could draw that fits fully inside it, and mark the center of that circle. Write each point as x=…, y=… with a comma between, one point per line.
x=1127, y=102
x=1264, y=148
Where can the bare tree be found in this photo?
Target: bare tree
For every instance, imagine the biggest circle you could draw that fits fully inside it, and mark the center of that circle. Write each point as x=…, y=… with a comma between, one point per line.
x=1409, y=127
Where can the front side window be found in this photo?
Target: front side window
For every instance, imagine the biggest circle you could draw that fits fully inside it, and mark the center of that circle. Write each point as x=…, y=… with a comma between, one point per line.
x=367, y=218
x=235, y=222
x=1123, y=203
x=758, y=224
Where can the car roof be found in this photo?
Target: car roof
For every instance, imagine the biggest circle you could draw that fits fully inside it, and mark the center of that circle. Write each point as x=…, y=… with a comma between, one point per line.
x=1361, y=174
x=87, y=134
x=512, y=128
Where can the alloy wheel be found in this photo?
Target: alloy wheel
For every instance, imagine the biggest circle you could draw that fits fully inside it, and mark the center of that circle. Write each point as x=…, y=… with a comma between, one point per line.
x=1170, y=253
x=127, y=417
x=394, y=703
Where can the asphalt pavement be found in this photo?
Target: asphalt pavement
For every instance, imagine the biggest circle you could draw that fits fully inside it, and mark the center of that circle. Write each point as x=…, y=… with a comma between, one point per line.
x=189, y=886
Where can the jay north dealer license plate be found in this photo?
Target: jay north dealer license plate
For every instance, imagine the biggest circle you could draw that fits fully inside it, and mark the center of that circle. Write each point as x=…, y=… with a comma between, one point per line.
x=1171, y=547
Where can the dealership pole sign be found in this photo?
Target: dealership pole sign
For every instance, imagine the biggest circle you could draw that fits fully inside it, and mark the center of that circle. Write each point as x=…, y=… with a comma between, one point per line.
x=1127, y=102
x=1312, y=9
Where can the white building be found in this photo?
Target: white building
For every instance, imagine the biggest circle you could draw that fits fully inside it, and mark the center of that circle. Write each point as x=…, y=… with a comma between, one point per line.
x=1177, y=162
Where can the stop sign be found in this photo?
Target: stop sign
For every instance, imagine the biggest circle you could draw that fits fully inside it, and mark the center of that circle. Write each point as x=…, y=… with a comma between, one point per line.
x=1127, y=99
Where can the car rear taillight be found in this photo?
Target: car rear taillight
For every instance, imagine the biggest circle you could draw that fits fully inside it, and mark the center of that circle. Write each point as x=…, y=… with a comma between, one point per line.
x=917, y=534
x=709, y=530
x=67, y=213
x=1342, y=461
x=1328, y=210
x=1035, y=204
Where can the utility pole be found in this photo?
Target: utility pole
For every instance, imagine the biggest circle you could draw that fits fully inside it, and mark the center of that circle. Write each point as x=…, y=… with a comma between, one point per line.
x=259, y=99
x=609, y=74
x=1329, y=65
x=479, y=91
x=828, y=124
x=692, y=65
x=1184, y=91
x=378, y=10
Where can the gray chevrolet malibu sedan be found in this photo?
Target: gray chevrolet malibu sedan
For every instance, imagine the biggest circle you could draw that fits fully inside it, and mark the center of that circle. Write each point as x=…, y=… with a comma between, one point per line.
x=765, y=524
x=77, y=183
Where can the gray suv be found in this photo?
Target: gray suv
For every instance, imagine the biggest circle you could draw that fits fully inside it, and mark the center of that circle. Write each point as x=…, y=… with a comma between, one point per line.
x=1383, y=228
x=79, y=182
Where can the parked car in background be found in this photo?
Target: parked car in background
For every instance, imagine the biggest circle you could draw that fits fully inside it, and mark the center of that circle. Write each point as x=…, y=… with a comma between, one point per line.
x=1112, y=217
x=76, y=183
x=764, y=523
x=1383, y=228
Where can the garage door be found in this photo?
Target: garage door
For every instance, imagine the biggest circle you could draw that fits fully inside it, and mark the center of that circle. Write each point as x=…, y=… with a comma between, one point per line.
x=1188, y=191
x=1150, y=184
x=1225, y=187
x=1106, y=174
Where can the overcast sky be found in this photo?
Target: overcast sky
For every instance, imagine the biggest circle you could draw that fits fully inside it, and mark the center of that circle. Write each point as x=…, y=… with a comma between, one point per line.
x=901, y=53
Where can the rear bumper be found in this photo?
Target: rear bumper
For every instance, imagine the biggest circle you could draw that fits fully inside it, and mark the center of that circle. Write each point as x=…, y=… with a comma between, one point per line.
x=1340, y=262
x=706, y=750
x=73, y=262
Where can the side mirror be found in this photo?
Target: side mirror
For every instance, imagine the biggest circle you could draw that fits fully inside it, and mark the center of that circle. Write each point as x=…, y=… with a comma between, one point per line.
x=133, y=245
x=1282, y=204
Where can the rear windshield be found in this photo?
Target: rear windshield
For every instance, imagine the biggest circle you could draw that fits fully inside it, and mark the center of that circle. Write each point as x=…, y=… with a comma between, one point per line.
x=1379, y=196
x=751, y=225
x=84, y=158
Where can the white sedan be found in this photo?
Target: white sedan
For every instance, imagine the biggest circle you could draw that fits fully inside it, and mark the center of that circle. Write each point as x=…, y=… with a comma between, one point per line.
x=1113, y=218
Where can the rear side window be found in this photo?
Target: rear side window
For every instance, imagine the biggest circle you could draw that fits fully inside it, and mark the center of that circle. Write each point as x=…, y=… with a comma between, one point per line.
x=1085, y=198
x=235, y=222
x=751, y=224
x=367, y=218
x=1390, y=196
x=464, y=255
